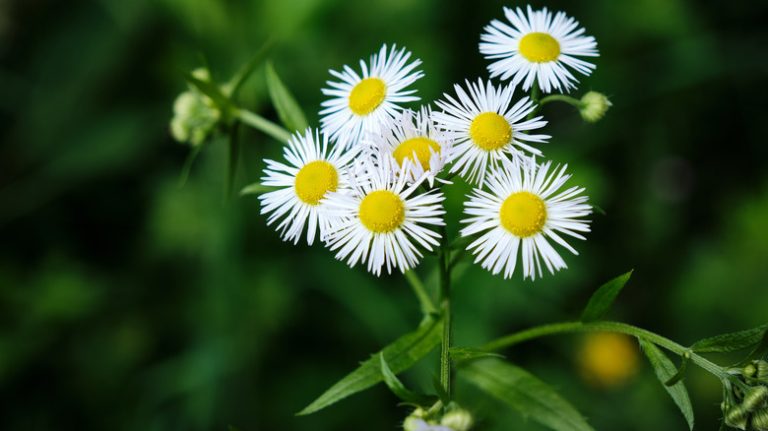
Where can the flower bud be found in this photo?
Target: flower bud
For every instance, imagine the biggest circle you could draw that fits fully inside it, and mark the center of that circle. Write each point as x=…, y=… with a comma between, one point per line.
x=457, y=420
x=194, y=115
x=594, y=105
x=762, y=371
x=760, y=420
x=737, y=417
x=749, y=370
x=755, y=398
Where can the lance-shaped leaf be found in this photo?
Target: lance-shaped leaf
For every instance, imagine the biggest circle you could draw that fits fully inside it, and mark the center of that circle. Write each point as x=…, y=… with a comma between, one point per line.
x=398, y=388
x=519, y=389
x=287, y=108
x=603, y=298
x=256, y=189
x=243, y=74
x=459, y=354
x=666, y=370
x=400, y=356
x=731, y=342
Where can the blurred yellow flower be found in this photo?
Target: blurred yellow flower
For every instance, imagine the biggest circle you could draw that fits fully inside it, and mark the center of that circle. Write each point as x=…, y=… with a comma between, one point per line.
x=608, y=359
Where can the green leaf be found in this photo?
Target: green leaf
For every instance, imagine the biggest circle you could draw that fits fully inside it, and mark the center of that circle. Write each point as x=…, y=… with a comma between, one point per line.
x=242, y=75
x=665, y=370
x=680, y=371
x=287, y=108
x=524, y=392
x=603, y=298
x=731, y=342
x=459, y=354
x=398, y=388
x=401, y=355
x=255, y=189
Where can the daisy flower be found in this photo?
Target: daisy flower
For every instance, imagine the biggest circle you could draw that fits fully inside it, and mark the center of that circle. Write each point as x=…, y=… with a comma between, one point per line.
x=360, y=103
x=311, y=172
x=522, y=210
x=485, y=127
x=537, y=48
x=383, y=220
x=414, y=137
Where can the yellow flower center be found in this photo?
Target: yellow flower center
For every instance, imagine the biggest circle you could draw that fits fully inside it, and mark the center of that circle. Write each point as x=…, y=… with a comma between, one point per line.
x=608, y=359
x=367, y=96
x=539, y=47
x=423, y=148
x=490, y=131
x=523, y=214
x=314, y=180
x=382, y=211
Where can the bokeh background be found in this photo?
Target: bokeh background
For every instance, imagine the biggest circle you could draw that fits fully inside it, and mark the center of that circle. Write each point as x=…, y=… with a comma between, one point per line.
x=128, y=302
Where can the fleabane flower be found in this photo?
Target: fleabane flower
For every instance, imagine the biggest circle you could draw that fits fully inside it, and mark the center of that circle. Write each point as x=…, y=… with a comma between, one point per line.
x=486, y=127
x=538, y=47
x=414, y=137
x=311, y=171
x=360, y=103
x=383, y=221
x=523, y=209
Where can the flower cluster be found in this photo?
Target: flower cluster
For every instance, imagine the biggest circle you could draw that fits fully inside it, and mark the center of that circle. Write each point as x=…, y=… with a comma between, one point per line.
x=746, y=400
x=369, y=183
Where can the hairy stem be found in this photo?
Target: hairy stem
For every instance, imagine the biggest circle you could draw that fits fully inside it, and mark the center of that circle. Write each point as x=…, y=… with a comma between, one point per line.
x=561, y=98
x=445, y=309
x=575, y=327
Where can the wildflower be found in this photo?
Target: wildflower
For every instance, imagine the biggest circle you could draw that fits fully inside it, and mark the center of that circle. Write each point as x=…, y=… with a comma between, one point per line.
x=311, y=172
x=361, y=103
x=522, y=210
x=382, y=221
x=537, y=48
x=486, y=127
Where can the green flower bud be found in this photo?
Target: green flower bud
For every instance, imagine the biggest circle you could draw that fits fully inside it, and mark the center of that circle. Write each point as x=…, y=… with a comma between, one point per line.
x=749, y=370
x=457, y=420
x=760, y=420
x=737, y=417
x=755, y=398
x=194, y=114
x=594, y=105
x=762, y=371
x=415, y=421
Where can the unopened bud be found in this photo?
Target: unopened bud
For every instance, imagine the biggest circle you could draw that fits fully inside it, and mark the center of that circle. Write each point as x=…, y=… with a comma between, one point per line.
x=594, y=105
x=755, y=398
x=749, y=370
x=762, y=371
x=760, y=420
x=457, y=420
x=415, y=422
x=194, y=114
x=737, y=417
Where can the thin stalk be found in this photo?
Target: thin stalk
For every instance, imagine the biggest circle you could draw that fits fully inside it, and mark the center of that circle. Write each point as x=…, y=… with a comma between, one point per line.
x=234, y=157
x=535, y=94
x=561, y=98
x=445, y=309
x=575, y=327
x=427, y=306
x=262, y=124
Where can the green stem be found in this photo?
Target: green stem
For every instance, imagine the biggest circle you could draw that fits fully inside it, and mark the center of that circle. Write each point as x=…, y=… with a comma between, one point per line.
x=234, y=157
x=561, y=98
x=576, y=327
x=427, y=306
x=535, y=94
x=445, y=308
x=262, y=124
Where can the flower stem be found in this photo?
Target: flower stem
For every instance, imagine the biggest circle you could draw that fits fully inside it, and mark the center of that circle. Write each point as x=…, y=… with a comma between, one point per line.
x=561, y=98
x=445, y=309
x=262, y=124
x=575, y=327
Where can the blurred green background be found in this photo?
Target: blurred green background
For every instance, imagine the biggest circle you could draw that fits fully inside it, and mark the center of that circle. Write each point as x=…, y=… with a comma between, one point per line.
x=130, y=303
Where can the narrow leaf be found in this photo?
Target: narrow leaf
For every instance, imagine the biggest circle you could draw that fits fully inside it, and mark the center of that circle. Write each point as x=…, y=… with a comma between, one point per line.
x=603, y=298
x=731, y=342
x=400, y=355
x=459, y=354
x=761, y=349
x=242, y=75
x=398, y=388
x=287, y=108
x=665, y=370
x=255, y=189
x=524, y=392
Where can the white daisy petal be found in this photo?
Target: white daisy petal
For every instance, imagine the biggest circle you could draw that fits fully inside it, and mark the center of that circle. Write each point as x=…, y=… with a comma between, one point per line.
x=486, y=127
x=536, y=47
x=312, y=172
x=519, y=213
x=361, y=103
